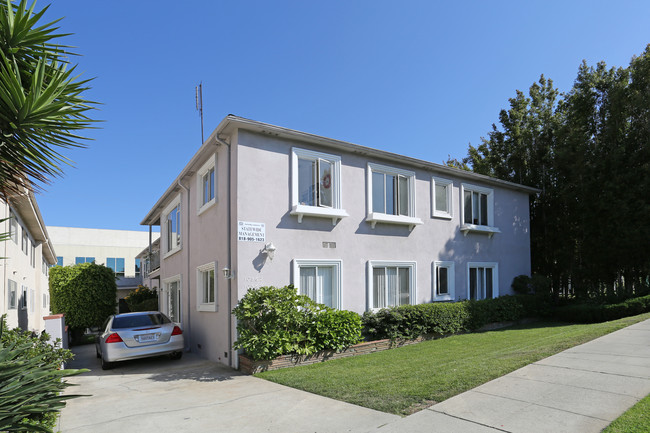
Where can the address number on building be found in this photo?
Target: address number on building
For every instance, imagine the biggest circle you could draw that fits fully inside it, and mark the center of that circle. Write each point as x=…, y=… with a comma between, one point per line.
x=251, y=232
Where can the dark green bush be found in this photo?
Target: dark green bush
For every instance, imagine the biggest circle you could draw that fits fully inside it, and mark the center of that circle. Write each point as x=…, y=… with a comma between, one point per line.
x=278, y=321
x=142, y=299
x=412, y=321
x=521, y=284
x=85, y=293
x=594, y=313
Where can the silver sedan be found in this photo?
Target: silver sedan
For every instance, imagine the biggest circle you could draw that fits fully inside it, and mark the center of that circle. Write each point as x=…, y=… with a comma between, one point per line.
x=138, y=335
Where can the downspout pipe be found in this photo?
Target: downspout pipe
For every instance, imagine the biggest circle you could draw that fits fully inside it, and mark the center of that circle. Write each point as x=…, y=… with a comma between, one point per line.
x=229, y=253
x=188, y=324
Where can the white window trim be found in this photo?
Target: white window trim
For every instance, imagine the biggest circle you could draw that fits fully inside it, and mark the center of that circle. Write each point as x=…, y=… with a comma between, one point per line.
x=374, y=217
x=164, y=234
x=200, y=305
x=451, y=280
x=450, y=187
x=488, y=229
x=164, y=291
x=211, y=163
x=336, y=212
x=12, y=288
x=383, y=263
x=495, y=275
x=336, y=278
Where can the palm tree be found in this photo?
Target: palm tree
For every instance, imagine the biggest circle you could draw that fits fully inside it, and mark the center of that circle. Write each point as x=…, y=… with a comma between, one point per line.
x=42, y=108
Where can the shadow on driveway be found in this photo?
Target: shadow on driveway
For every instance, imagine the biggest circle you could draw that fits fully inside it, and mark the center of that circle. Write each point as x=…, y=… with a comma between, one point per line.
x=159, y=368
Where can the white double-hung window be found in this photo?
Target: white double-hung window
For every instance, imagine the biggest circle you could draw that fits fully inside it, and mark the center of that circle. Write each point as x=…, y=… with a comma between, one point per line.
x=390, y=284
x=482, y=280
x=391, y=196
x=172, y=227
x=477, y=209
x=316, y=185
x=206, y=284
x=443, y=281
x=320, y=280
x=206, y=184
x=441, y=190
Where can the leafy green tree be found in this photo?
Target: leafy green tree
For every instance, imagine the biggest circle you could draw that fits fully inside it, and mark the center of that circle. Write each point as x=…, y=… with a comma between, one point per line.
x=42, y=108
x=86, y=293
x=588, y=151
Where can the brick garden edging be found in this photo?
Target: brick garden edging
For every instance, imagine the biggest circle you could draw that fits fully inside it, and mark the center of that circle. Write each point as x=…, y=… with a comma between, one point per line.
x=249, y=366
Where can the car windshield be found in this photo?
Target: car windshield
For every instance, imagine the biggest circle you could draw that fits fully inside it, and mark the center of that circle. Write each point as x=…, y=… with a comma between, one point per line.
x=132, y=321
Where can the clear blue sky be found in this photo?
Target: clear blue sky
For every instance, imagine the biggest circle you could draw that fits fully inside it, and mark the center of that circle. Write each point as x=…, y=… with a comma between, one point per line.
x=420, y=78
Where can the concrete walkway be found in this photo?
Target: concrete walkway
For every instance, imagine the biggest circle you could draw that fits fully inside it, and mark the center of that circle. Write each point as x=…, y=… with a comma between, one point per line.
x=581, y=390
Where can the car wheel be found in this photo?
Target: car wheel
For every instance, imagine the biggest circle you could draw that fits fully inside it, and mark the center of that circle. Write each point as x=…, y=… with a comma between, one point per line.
x=176, y=355
x=106, y=365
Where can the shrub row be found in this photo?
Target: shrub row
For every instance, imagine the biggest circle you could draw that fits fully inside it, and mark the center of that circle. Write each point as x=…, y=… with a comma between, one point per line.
x=412, y=321
x=594, y=313
x=277, y=321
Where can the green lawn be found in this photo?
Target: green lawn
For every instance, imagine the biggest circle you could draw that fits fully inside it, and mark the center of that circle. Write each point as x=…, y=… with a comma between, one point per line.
x=407, y=379
x=635, y=420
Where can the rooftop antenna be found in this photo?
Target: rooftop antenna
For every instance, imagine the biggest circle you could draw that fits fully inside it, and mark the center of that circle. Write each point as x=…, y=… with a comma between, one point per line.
x=199, y=104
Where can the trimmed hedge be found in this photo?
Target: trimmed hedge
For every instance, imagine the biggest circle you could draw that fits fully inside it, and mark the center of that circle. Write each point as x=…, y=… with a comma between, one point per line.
x=412, y=321
x=275, y=321
x=594, y=313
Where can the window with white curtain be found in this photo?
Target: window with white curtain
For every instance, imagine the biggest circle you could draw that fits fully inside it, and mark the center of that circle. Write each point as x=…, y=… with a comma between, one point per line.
x=482, y=280
x=320, y=280
x=391, y=284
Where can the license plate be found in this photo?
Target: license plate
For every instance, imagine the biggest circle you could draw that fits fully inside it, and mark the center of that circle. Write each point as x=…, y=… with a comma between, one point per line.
x=146, y=338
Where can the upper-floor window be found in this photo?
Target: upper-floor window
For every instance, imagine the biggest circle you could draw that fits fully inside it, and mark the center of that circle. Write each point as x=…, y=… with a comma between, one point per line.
x=25, y=242
x=59, y=261
x=13, y=223
x=206, y=187
x=391, y=284
x=79, y=260
x=32, y=254
x=441, y=190
x=138, y=269
x=316, y=185
x=320, y=280
x=44, y=267
x=172, y=223
x=477, y=209
x=391, y=195
x=116, y=264
x=482, y=280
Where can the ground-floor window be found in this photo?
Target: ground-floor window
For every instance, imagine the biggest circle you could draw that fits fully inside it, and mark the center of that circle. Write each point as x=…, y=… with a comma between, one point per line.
x=12, y=295
x=206, y=284
x=391, y=284
x=443, y=281
x=172, y=298
x=482, y=280
x=320, y=280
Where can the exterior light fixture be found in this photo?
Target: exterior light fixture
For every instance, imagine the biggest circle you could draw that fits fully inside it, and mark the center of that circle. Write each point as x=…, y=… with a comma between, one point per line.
x=227, y=274
x=269, y=250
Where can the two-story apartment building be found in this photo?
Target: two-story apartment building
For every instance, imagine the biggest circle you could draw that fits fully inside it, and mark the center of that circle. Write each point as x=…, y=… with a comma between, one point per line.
x=352, y=227
x=26, y=258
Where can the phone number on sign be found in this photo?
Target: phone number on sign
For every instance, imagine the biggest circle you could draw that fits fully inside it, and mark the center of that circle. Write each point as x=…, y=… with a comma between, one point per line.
x=251, y=239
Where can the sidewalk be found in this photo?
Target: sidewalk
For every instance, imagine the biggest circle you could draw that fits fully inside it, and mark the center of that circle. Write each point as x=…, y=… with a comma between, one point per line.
x=582, y=389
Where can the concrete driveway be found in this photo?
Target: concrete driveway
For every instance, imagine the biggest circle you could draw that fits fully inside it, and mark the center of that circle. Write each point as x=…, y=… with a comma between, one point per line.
x=194, y=395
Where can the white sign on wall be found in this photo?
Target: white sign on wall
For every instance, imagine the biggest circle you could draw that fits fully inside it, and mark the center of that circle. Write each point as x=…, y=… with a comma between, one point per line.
x=251, y=232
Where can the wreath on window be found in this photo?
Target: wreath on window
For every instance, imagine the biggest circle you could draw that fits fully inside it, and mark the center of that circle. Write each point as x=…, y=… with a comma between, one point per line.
x=327, y=181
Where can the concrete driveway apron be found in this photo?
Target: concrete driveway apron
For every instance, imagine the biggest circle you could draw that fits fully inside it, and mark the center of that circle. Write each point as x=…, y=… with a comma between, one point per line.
x=195, y=395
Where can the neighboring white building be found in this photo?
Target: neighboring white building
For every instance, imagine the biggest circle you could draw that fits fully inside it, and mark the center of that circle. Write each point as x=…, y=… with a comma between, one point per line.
x=116, y=249
x=350, y=226
x=26, y=258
